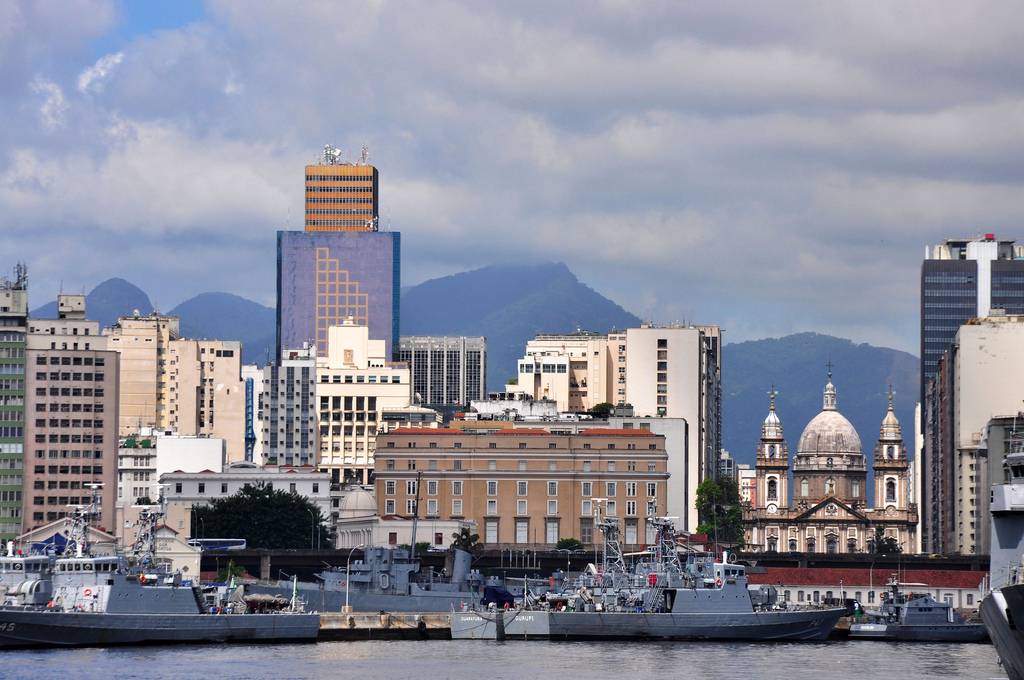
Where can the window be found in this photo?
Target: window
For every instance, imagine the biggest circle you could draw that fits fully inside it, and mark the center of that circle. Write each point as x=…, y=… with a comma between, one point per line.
x=177, y=487
x=224, y=487
x=492, y=488
x=631, y=511
x=522, y=465
x=457, y=488
x=587, y=488
x=520, y=488
x=805, y=487
x=522, y=531
x=652, y=489
x=630, y=489
x=587, y=508
x=970, y=599
x=457, y=507
x=492, y=465
x=612, y=489
x=432, y=506
x=410, y=506
x=551, y=531
x=552, y=507
x=389, y=487
x=586, y=466
x=389, y=506
x=611, y=466
x=492, y=506
x=612, y=509
x=773, y=490
x=521, y=507
x=890, y=491
x=432, y=487
x=491, y=531
x=410, y=487
x=392, y=538
x=871, y=596
x=586, y=530
x=552, y=488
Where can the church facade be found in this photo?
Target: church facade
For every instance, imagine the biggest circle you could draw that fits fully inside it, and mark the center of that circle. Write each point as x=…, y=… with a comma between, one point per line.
x=820, y=503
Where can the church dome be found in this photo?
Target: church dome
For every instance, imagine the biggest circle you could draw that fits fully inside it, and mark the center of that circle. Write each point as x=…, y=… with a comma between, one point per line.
x=829, y=432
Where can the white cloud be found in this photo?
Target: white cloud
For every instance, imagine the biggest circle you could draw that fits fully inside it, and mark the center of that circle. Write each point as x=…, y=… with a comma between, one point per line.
x=54, y=107
x=92, y=78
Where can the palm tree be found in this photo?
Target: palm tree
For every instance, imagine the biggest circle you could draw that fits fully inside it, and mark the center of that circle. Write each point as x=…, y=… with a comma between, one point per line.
x=465, y=539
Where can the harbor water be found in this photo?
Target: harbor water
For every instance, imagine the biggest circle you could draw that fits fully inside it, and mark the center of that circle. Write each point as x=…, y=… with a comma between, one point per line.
x=458, y=660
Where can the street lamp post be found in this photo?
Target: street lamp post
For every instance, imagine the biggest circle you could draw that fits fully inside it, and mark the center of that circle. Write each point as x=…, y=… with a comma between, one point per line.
x=312, y=526
x=348, y=576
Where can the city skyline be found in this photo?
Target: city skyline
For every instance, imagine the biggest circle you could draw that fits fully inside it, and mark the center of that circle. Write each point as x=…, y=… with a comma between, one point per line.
x=635, y=144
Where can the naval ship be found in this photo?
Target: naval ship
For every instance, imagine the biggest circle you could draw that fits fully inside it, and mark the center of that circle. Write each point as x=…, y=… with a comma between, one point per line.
x=78, y=599
x=1003, y=609
x=916, y=617
x=390, y=580
x=660, y=597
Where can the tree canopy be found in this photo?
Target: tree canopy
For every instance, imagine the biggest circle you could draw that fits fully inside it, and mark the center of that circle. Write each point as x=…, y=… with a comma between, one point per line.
x=265, y=517
x=880, y=544
x=465, y=539
x=719, y=511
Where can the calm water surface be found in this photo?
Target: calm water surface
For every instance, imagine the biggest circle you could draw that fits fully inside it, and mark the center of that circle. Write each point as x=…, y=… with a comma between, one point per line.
x=478, y=660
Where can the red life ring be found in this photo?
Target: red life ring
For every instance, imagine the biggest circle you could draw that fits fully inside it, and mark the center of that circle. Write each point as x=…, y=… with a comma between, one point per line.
x=87, y=592
x=652, y=580
x=506, y=605
x=718, y=583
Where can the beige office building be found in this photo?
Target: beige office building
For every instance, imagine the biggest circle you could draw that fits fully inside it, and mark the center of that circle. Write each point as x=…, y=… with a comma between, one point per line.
x=203, y=393
x=142, y=343
x=526, y=486
x=355, y=385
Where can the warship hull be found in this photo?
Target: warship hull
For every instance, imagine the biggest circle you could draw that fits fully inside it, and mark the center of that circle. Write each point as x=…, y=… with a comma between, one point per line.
x=768, y=625
x=331, y=600
x=963, y=632
x=1001, y=611
x=27, y=628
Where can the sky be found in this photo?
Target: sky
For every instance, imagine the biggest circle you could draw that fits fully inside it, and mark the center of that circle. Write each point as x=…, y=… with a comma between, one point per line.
x=770, y=167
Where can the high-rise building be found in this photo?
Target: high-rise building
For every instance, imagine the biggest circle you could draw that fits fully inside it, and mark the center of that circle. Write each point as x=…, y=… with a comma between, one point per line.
x=203, y=393
x=342, y=266
x=446, y=370
x=978, y=378
x=252, y=378
x=341, y=196
x=964, y=279
x=72, y=386
x=289, y=409
x=324, y=278
x=356, y=383
x=13, y=327
x=142, y=343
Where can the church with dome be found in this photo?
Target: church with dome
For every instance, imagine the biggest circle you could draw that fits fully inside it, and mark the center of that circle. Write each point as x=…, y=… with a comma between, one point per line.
x=819, y=504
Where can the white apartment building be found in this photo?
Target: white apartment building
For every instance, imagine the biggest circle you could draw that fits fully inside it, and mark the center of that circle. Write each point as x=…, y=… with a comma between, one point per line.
x=288, y=408
x=144, y=457
x=989, y=381
x=355, y=384
x=571, y=370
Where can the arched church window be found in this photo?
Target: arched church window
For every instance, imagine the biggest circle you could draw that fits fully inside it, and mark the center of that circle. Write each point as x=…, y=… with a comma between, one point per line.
x=890, y=451
x=773, y=490
x=810, y=544
x=832, y=545
x=792, y=545
x=771, y=450
x=890, y=491
x=805, y=487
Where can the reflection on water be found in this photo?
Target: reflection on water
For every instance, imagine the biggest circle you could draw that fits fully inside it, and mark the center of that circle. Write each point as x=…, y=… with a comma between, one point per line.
x=456, y=660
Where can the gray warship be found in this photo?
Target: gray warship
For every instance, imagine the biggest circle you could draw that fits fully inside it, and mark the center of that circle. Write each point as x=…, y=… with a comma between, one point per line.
x=916, y=617
x=390, y=580
x=660, y=598
x=78, y=599
x=1002, y=610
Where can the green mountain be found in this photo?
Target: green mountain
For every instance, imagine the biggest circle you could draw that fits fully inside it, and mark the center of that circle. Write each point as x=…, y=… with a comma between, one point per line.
x=508, y=305
x=796, y=365
x=107, y=301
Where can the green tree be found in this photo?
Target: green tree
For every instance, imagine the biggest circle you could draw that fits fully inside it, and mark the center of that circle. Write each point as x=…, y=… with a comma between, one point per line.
x=465, y=539
x=718, y=511
x=265, y=517
x=602, y=410
x=881, y=544
x=225, y=573
x=568, y=544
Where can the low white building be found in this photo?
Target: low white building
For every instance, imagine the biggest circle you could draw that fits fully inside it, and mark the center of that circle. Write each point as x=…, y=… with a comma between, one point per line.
x=183, y=490
x=513, y=405
x=359, y=525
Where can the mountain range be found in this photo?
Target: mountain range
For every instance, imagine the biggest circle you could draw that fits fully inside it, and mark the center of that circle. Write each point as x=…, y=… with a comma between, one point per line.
x=509, y=305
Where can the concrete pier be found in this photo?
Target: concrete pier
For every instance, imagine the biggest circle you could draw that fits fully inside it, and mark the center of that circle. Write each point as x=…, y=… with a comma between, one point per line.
x=368, y=626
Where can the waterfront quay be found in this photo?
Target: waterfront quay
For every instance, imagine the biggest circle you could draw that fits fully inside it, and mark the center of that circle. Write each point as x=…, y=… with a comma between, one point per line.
x=384, y=626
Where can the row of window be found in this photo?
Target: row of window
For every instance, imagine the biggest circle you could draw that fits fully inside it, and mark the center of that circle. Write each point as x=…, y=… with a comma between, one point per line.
x=543, y=368
x=69, y=469
x=339, y=211
x=522, y=487
x=12, y=384
x=339, y=190
x=337, y=223
x=338, y=178
x=12, y=352
x=71, y=361
x=339, y=200
x=360, y=379
x=70, y=392
x=68, y=422
x=65, y=407
x=522, y=466
x=69, y=438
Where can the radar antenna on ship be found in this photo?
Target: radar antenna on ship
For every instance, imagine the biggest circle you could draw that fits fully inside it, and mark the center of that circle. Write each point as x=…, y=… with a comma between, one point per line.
x=80, y=519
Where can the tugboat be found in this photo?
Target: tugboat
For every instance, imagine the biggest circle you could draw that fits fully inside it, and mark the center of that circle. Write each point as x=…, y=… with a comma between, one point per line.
x=1003, y=609
x=660, y=598
x=917, y=617
x=117, y=599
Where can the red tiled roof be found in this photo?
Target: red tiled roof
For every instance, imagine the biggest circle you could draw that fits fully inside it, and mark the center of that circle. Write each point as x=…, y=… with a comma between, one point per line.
x=424, y=430
x=856, y=578
x=522, y=430
x=613, y=432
